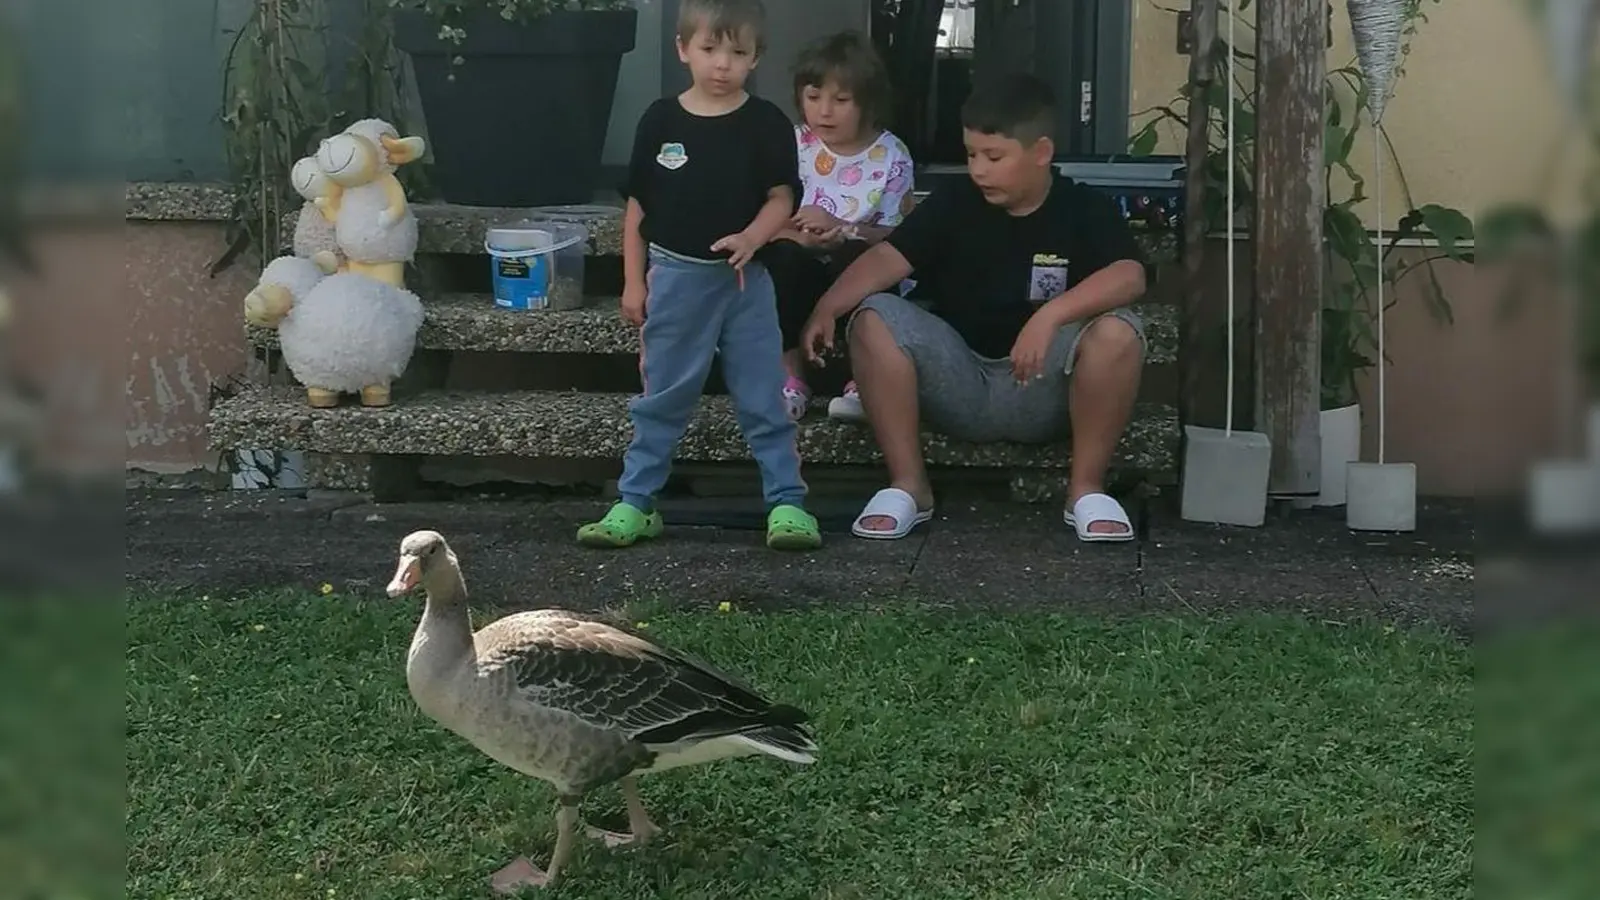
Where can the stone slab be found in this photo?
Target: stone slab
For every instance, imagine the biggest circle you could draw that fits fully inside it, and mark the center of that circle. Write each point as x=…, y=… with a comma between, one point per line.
x=974, y=558
x=578, y=425
x=472, y=322
x=1310, y=562
x=160, y=201
x=1044, y=564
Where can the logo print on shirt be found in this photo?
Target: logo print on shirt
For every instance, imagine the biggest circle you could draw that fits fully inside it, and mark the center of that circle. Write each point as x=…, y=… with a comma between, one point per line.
x=1048, y=279
x=672, y=156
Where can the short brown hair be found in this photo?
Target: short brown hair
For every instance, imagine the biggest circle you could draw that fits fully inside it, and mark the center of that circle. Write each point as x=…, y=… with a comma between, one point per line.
x=849, y=59
x=723, y=19
x=1016, y=105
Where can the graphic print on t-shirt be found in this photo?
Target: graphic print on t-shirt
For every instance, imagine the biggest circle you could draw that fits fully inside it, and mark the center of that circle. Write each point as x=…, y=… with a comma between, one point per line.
x=873, y=186
x=672, y=156
x=1048, y=279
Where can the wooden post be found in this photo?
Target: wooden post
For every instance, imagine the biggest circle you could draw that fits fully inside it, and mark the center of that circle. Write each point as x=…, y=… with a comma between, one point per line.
x=1191, y=333
x=1291, y=194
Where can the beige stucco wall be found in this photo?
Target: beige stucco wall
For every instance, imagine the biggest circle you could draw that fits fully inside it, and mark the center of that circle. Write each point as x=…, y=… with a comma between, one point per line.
x=1473, y=120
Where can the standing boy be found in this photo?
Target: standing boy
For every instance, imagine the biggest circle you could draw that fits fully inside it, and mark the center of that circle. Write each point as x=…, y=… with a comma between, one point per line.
x=714, y=176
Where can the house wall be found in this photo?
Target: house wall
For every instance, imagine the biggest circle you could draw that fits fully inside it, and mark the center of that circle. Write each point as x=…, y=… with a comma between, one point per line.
x=1474, y=122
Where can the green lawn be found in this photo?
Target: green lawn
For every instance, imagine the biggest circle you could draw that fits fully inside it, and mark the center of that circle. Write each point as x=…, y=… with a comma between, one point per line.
x=273, y=752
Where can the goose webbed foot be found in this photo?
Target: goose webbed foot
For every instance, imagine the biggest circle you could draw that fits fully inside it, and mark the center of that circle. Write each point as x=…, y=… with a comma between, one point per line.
x=641, y=829
x=520, y=873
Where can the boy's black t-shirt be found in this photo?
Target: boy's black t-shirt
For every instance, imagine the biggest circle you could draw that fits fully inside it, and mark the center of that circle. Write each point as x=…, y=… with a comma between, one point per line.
x=986, y=271
x=702, y=178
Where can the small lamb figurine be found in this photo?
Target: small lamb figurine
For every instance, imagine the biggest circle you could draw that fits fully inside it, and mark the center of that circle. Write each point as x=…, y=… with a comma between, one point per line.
x=314, y=236
x=375, y=226
x=341, y=333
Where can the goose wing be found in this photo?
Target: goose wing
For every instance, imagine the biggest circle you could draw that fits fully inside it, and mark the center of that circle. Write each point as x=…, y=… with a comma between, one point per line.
x=616, y=680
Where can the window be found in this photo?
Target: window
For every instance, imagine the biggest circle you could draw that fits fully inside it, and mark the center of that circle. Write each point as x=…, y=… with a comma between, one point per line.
x=957, y=27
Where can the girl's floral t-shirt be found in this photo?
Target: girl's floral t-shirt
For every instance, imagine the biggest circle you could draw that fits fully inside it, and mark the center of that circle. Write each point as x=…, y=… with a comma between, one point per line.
x=873, y=187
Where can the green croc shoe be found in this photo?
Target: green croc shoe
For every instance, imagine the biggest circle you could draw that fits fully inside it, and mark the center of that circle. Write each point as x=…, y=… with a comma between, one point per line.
x=623, y=526
x=792, y=528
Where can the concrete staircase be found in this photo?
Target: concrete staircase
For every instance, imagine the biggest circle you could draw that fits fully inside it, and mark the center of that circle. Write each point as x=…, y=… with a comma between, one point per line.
x=551, y=388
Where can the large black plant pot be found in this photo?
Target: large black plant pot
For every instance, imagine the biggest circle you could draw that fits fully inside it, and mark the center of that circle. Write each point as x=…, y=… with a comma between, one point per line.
x=523, y=122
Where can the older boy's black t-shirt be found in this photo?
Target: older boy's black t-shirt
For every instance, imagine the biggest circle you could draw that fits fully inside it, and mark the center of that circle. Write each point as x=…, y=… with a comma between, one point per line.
x=702, y=178
x=986, y=271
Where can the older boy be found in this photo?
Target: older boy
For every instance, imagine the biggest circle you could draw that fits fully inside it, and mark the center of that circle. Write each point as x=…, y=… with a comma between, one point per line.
x=714, y=176
x=1027, y=337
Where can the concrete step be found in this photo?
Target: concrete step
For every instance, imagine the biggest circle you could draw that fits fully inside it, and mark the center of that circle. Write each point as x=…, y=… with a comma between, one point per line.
x=446, y=228
x=471, y=322
x=578, y=425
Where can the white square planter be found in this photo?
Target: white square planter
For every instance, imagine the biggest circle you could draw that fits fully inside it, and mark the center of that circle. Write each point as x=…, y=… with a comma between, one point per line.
x=1341, y=445
x=1225, y=476
x=1564, y=496
x=1381, y=496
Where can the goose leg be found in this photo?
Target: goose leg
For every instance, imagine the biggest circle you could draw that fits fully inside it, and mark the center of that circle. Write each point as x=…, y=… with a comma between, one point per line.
x=640, y=828
x=520, y=873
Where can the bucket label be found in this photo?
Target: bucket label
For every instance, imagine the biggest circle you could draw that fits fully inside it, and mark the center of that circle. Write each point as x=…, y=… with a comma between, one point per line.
x=521, y=283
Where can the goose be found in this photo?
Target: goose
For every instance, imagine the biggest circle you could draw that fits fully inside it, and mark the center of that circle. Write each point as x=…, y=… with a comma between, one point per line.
x=565, y=698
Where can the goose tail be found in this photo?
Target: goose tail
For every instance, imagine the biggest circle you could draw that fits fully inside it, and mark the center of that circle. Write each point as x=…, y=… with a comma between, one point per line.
x=790, y=743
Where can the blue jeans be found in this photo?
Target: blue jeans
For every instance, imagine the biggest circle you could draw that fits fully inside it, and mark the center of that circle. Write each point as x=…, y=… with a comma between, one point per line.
x=696, y=310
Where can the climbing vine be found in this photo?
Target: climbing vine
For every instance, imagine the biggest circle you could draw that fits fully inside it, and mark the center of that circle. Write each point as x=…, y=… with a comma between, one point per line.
x=283, y=91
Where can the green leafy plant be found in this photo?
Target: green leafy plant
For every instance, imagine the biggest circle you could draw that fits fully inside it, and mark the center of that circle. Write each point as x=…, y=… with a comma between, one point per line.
x=279, y=100
x=1349, y=344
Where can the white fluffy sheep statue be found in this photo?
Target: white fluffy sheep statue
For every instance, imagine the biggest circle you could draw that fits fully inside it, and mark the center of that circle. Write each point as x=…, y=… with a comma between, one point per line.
x=314, y=236
x=341, y=333
x=375, y=226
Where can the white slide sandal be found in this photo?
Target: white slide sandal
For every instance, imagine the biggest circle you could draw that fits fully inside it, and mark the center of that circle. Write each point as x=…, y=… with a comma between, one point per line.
x=895, y=504
x=1097, y=507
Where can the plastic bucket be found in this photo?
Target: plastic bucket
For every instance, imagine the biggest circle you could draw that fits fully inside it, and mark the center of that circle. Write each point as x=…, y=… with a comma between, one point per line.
x=536, y=264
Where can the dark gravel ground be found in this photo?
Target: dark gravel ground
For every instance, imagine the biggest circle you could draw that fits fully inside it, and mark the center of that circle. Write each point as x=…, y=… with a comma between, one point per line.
x=977, y=554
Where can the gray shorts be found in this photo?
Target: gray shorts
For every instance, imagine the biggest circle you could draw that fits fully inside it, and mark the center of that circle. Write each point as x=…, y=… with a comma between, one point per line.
x=975, y=398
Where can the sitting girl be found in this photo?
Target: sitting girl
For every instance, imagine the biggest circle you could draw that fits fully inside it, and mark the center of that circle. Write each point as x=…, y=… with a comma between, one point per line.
x=856, y=186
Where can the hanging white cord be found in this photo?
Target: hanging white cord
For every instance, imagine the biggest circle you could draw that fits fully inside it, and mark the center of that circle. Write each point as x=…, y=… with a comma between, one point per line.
x=1228, y=431
x=1377, y=176
x=1378, y=27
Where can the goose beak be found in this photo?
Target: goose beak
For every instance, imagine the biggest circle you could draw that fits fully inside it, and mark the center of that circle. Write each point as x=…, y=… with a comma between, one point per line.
x=406, y=576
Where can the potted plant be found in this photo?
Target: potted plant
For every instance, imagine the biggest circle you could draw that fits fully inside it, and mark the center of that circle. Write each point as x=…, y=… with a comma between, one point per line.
x=517, y=94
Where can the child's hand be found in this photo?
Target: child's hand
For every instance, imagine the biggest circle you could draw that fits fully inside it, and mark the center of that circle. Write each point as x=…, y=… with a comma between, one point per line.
x=1028, y=353
x=832, y=239
x=741, y=247
x=633, y=297
x=816, y=220
x=817, y=338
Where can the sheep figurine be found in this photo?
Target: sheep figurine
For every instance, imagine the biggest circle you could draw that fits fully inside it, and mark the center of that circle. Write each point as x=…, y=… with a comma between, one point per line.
x=340, y=333
x=314, y=236
x=375, y=226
